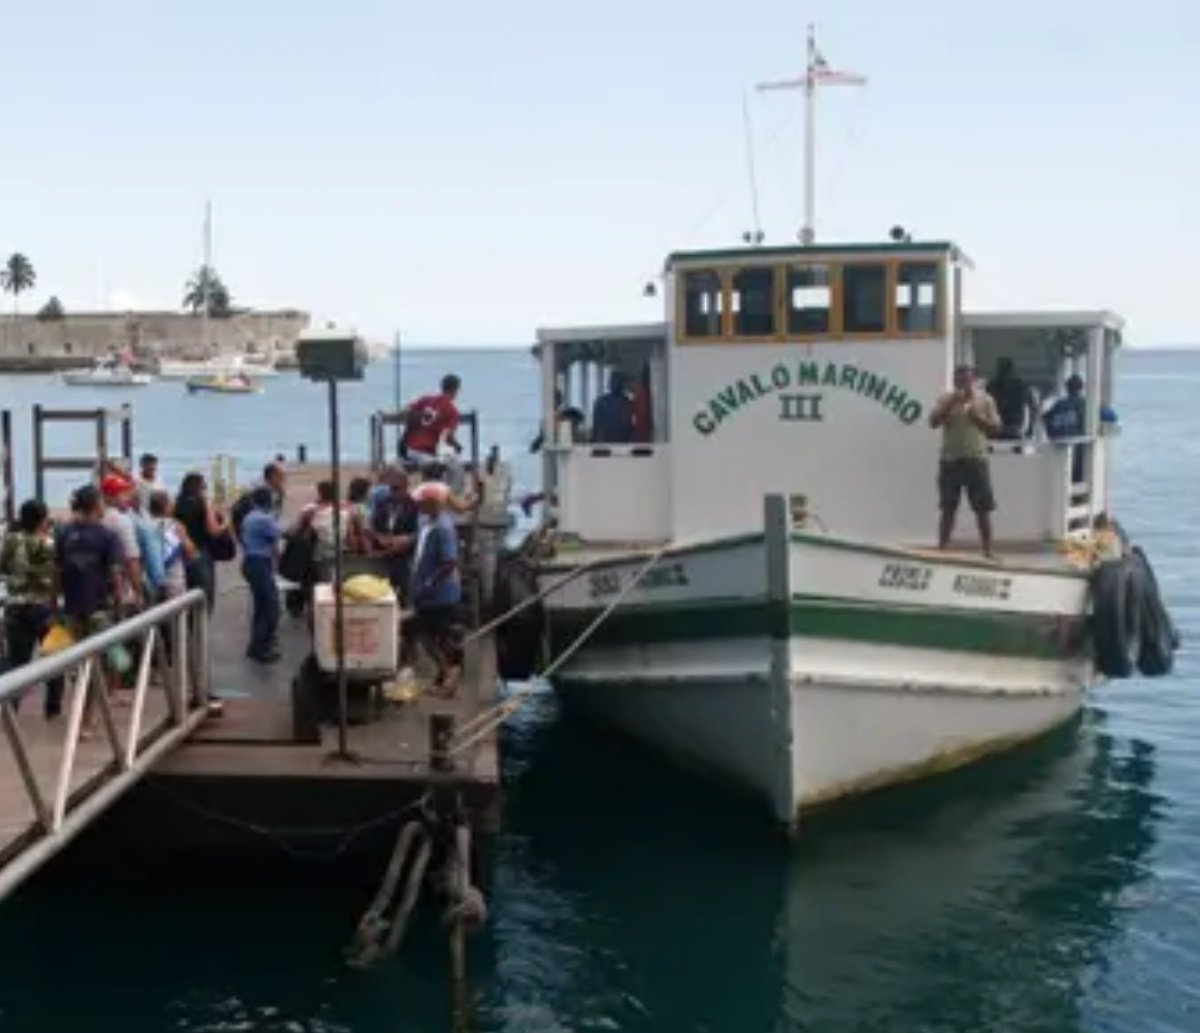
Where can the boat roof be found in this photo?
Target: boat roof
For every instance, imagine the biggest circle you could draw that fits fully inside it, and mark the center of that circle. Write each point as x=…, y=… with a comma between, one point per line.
x=1044, y=320
x=1016, y=320
x=598, y=332
x=824, y=250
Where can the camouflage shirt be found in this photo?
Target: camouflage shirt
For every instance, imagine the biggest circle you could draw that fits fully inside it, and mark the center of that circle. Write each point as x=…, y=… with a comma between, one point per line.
x=27, y=567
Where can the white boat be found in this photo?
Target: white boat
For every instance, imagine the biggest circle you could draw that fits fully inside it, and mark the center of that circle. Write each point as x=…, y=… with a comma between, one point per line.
x=106, y=373
x=225, y=366
x=755, y=589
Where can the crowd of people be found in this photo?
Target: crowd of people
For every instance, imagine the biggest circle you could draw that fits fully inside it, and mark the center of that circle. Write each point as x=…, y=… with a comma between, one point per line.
x=130, y=543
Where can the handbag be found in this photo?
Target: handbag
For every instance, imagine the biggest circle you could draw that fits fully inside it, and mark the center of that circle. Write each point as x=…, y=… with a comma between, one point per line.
x=296, y=560
x=222, y=547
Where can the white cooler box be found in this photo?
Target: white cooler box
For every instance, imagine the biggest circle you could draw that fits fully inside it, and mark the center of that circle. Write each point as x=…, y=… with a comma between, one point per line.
x=371, y=633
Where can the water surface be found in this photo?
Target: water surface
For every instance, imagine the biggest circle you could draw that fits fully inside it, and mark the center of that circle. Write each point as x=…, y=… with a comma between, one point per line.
x=1053, y=892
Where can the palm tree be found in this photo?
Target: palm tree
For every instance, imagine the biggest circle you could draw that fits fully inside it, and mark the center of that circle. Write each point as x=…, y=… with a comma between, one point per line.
x=51, y=311
x=206, y=286
x=17, y=276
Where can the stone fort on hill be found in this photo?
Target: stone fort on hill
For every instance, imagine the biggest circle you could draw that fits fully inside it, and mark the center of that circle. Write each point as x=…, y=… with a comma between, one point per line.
x=30, y=342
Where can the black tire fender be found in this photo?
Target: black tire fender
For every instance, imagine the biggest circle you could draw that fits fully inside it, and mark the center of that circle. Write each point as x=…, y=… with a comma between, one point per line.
x=1159, y=638
x=1117, y=606
x=519, y=639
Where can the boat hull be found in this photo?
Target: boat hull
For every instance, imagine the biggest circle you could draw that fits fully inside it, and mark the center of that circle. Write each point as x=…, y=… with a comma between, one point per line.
x=88, y=380
x=186, y=371
x=219, y=389
x=831, y=670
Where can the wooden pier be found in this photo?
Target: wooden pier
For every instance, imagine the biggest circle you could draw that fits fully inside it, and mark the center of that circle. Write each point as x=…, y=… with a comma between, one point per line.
x=255, y=776
x=251, y=775
x=249, y=765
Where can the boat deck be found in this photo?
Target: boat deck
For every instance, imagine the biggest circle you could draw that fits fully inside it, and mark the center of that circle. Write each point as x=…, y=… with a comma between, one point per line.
x=1030, y=557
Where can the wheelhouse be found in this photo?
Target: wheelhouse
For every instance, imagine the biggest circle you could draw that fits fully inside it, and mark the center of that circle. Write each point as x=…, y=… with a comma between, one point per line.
x=810, y=371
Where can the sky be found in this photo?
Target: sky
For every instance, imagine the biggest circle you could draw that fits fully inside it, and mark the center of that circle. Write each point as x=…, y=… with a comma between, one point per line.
x=466, y=172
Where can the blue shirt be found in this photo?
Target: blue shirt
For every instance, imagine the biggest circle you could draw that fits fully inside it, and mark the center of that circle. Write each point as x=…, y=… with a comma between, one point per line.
x=86, y=552
x=437, y=545
x=1066, y=418
x=612, y=419
x=260, y=534
x=153, y=550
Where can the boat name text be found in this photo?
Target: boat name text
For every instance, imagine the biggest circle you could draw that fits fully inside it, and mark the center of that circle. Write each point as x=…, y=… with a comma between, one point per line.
x=906, y=577
x=843, y=376
x=982, y=586
x=608, y=582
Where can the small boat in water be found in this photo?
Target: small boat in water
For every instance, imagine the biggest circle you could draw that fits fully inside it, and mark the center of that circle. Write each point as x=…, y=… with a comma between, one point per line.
x=108, y=372
x=237, y=385
x=220, y=366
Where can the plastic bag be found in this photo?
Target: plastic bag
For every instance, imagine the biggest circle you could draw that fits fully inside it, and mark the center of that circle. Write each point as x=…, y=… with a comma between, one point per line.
x=57, y=639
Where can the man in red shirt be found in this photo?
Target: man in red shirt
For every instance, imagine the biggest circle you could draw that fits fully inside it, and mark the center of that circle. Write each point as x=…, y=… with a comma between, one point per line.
x=432, y=420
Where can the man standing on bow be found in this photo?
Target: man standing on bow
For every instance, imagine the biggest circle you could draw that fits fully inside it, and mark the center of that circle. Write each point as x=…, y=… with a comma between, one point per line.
x=967, y=417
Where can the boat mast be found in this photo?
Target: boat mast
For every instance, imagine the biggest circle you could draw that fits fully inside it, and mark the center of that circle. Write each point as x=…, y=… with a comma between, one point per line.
x=817, y=73
x=206, y=274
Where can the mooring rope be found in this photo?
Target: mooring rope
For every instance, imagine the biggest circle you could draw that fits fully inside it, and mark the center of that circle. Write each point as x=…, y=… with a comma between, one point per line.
x=537, y=597
x=486, y=721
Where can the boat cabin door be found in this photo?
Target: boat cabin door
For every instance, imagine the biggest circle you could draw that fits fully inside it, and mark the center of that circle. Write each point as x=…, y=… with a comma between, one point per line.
x=604, y=431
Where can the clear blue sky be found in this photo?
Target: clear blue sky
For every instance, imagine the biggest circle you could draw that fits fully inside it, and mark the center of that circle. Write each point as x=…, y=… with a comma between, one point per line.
x=468, y=171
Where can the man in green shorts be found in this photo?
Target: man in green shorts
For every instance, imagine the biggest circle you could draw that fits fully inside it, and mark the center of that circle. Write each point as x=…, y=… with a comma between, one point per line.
x=967, y=417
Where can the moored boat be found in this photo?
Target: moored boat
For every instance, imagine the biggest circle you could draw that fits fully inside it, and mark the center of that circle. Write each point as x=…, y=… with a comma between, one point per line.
x=748, y=579
x=107, y=372
x=222, y=366
x=235, y=385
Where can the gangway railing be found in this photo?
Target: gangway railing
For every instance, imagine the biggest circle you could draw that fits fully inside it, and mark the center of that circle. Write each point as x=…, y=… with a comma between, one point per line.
x=54, y=783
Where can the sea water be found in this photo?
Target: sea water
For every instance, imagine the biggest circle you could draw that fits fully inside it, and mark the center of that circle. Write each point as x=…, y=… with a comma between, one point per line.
x=1053, y=892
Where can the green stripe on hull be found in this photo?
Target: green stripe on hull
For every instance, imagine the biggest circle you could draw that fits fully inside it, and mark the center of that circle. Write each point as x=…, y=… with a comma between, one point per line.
x=1034, y=636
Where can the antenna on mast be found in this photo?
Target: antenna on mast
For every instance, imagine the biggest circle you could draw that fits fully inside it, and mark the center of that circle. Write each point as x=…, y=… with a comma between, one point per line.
x=755, y=236
x=817, y=73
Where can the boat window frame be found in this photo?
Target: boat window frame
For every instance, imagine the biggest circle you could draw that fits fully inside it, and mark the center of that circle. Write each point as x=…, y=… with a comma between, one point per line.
x=722, y=335
x=836, y=266
x=940, y=298
x=887, y=264
x=731, y=274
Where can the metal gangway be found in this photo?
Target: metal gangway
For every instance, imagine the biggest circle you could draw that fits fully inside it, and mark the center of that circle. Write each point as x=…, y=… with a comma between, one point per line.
x=55, y=780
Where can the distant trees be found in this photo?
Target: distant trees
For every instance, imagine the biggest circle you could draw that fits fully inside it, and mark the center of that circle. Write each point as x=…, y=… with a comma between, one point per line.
x=51, y=311
x=16, y=277
x=206, y=288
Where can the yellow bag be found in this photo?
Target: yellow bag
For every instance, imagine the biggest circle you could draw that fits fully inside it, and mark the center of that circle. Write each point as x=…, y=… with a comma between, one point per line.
x=57, y=639
x=366, y=588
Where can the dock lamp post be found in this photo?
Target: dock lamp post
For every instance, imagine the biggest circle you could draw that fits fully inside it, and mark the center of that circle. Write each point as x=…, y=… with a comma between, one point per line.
x=331, y=355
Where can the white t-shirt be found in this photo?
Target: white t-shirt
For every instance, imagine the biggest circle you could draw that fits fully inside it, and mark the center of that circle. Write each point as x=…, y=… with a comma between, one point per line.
x=121, y=524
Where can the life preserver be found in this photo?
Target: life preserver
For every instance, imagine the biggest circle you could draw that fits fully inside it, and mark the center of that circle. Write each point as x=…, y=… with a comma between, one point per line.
x=519, y=639
x=1159, y=637
x=1116, y=623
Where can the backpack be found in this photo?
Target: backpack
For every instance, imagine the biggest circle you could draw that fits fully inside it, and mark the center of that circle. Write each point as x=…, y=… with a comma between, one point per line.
x=241, y=509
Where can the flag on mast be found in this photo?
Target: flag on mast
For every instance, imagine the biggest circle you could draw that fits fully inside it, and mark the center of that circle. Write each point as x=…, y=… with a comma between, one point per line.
x=822, y=72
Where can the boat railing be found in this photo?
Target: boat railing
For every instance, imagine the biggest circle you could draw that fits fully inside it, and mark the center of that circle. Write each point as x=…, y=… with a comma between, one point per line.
x=67, y=778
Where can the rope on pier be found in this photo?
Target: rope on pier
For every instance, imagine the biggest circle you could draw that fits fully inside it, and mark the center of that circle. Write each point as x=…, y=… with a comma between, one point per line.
x=524, y=604
x=465, y=912
x=412, y=889
x=377, y=937
x=372, y=926
x=487, y=721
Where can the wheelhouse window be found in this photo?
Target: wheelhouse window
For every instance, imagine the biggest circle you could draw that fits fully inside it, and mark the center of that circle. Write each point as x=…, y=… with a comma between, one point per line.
x=809, y=299
x=753, y=302
x=918, y=300
x=864, y=298
x=702, y=303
